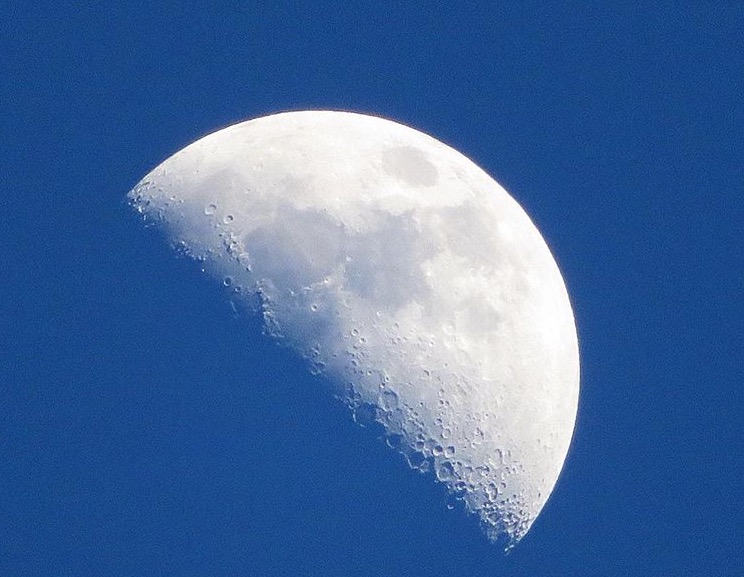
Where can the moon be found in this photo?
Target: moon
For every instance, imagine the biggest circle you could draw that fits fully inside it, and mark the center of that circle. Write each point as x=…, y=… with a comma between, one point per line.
x=406, y=276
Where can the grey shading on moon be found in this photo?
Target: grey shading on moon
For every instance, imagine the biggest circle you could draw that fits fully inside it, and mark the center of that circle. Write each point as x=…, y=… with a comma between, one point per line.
x=407, y=277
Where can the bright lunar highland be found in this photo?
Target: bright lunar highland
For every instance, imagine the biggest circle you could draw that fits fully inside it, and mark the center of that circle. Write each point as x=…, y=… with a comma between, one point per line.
x=405, y=275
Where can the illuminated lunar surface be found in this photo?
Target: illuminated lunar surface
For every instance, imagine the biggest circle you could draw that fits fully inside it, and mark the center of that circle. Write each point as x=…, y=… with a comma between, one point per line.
x=405, y=275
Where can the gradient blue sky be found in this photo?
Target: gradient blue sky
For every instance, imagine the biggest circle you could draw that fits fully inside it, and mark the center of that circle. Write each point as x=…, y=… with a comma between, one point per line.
x=144, y=430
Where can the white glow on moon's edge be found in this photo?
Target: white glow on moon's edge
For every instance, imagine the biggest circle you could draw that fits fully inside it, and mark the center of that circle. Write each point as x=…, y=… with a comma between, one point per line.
x=403, y=273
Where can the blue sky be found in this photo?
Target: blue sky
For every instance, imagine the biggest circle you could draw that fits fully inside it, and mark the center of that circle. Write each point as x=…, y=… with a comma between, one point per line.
x=146, y=430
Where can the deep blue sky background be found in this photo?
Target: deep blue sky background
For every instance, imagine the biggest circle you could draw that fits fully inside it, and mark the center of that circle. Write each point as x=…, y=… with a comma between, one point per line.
x=144, y=430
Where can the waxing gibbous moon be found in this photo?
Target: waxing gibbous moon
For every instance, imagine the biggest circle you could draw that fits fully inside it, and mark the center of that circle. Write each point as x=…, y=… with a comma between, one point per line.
x=407, y=276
